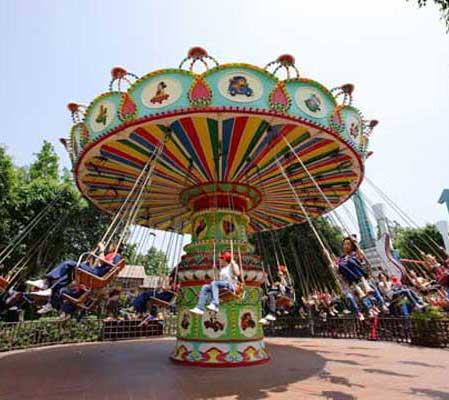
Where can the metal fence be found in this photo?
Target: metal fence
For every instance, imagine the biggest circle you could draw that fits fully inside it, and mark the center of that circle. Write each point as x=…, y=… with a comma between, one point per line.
x=29, y=334
x=431, y=333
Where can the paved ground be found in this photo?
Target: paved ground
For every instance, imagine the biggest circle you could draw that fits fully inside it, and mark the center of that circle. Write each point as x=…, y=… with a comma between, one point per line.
x=300, y=369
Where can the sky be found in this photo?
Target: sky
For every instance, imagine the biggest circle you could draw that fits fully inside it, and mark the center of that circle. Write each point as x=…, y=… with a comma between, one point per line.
x=396, y=55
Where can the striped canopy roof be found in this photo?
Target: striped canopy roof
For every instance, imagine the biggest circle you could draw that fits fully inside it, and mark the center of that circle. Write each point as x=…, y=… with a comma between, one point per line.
x=221, y=145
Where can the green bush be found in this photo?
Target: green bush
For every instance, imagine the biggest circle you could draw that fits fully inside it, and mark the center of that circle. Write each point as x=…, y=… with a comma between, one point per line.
x=44, y=332
x=427, y=329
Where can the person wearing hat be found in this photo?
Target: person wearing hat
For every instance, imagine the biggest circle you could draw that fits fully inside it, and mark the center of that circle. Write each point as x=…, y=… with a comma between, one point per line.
x=228, y=277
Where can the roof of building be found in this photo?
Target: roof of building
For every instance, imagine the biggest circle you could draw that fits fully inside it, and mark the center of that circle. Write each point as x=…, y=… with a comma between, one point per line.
x=155, y=281
x=132, y=272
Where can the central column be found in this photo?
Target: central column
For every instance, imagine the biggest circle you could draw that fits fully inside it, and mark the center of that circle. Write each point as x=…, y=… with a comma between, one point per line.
x=233, y=336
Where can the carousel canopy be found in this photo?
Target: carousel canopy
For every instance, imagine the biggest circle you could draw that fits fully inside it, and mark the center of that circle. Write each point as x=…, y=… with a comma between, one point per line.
x=233, y=124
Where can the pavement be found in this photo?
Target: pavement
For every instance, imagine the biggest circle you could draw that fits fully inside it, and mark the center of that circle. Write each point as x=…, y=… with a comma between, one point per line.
x=300, y=369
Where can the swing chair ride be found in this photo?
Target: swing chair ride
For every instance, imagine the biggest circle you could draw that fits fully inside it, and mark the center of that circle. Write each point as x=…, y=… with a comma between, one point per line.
x=220, y=155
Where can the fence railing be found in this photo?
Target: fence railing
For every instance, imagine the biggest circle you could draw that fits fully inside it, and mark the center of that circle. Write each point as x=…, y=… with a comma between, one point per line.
x=432, y=333
x=28, y=334
x=21, y=335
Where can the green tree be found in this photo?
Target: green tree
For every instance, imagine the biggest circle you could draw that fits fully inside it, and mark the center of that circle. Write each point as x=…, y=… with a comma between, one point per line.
x=154, y=261
x=46, y=164
x=443, y=6
x=410, y=242
x=7, y=195
x=298, y=247
x=70, y=227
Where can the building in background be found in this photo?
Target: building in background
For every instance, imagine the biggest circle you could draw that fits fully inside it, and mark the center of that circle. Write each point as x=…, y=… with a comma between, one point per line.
x=131, y=277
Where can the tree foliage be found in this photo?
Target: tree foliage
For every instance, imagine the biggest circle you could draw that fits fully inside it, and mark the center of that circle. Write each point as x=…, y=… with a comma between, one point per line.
x=46, y=164
x=298, y=247
x=154, y=261
x=7, y=182
x=71, y=225
x=410, y=242
x=443, y=6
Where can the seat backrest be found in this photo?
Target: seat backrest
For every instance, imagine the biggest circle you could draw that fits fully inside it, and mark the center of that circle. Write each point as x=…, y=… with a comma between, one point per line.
x=239, y=287
x=228, y=295
x=98, y=282
x=78, y=300
x=3, y=283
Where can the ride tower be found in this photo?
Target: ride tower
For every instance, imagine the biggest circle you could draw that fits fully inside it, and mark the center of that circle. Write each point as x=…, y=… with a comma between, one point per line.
x=234, y=150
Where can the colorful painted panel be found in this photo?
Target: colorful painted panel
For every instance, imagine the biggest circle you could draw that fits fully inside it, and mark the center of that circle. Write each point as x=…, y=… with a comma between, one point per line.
x=221, y=225
x=352, y=125
x=219, y=353
x=310, y=100
x=102, y=114
x=76, y=139
x=161, y=91
x=240, y=86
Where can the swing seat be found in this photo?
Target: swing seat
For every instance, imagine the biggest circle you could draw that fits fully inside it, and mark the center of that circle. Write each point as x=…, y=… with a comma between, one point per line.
x=4, y=283
x=284, y=301
x=162, y=303
x=82, y=301
x=92, y=281
x=227, y=295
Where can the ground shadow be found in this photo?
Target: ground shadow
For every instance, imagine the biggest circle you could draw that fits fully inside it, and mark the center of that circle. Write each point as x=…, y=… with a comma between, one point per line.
x=335, y=395
x=347, y=362
x=388, y=373
x=361, y=355
x=360, y=348
x=337, y=380
x=421, y=364
x=430, y=393
x=141, y=370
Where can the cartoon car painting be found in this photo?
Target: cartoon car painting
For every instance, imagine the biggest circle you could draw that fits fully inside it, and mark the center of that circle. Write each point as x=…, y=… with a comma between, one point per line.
x=239, y=85
x=247, y=322
x=214, y=324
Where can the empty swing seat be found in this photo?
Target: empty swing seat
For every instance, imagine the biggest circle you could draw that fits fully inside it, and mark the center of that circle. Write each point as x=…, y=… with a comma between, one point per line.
x=93, y=281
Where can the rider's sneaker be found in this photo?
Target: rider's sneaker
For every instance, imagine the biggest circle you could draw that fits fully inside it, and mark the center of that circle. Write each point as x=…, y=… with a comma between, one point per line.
x=270, y=317
x=212, y=307
x=46, y=308
x=43, y=293
x=41, y=284
x=197, y=311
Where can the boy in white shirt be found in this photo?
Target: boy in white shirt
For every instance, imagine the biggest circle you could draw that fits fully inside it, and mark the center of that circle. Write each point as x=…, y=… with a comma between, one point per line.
x=229, y=274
